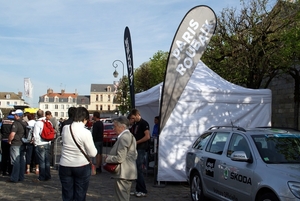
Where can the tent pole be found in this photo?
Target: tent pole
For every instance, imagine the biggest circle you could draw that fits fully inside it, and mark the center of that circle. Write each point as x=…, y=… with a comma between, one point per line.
x=156, y=183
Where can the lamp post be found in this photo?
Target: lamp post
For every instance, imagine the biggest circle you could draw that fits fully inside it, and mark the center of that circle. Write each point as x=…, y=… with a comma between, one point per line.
x=115, y=65
x=115, y=74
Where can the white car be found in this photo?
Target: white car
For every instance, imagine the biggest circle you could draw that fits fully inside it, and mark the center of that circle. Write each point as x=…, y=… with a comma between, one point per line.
x=233, y=163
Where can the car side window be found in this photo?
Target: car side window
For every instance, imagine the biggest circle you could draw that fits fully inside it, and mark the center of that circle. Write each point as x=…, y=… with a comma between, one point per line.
x=238, y=143
x=217, y=144
x=201, y=141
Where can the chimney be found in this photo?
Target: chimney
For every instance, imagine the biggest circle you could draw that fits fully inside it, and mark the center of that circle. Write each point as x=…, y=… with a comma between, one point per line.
x=62, y=92
x=49, y=91
x=20, y=94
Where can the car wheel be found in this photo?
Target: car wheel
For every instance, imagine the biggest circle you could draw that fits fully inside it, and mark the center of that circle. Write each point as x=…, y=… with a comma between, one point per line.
x=196, y=187
x=268, y=197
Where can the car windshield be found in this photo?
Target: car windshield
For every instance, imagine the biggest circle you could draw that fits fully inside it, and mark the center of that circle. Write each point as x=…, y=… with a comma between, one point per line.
x=108, y=127
x=278, y=148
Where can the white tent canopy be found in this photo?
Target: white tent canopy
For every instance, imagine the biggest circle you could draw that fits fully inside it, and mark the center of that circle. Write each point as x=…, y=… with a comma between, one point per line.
x=206, y=101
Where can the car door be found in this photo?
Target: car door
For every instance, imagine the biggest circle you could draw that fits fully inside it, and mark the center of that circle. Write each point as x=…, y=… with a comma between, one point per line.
x=235, y=178
x=211, y=160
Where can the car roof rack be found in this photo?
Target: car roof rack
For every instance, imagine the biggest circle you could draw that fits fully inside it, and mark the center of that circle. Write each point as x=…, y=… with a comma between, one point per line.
x=236, y=127
x=278, y=127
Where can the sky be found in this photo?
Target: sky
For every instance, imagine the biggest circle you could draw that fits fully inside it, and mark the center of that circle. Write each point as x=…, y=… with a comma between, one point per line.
x=71, y=44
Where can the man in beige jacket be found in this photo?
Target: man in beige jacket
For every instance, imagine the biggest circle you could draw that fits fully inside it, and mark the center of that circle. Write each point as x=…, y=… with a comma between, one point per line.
x=123, y=152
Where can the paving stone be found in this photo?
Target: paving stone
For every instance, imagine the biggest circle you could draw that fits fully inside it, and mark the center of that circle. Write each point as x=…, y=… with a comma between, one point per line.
x=100, y=189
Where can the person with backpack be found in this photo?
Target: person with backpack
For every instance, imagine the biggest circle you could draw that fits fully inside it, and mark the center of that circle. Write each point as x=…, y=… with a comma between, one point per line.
x=43, y=133
x=54, y=122
x=17, y=148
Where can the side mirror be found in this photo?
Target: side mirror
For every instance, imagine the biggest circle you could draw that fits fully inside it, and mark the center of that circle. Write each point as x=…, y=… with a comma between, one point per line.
x=240, y=156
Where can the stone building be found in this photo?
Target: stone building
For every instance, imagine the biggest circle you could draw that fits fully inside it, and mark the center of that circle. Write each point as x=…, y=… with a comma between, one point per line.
x=58, y=103
x=11, y=99
x=101, y=97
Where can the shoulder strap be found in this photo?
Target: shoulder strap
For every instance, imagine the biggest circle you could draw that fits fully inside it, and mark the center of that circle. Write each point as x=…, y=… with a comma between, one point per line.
x=89, y=160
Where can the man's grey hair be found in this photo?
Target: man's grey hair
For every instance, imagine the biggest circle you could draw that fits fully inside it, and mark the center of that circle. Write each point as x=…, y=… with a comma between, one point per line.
x=122, y=121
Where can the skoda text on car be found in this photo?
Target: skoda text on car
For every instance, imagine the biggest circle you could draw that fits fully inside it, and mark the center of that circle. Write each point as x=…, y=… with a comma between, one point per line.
x=109, y=135
x=233, y=163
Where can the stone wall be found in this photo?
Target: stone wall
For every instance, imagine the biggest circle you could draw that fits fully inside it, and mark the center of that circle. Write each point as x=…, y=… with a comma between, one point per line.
x=283, y=101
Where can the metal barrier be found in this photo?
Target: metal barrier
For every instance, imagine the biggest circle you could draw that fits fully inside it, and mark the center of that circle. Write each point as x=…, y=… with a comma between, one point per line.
x=57, y=152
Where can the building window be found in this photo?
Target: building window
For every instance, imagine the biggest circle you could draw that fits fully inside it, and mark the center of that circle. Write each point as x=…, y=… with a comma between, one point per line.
x=97, y=107
x=7, y=96
x=56, y=114
x=56, y=107
x=46, y=106
x=82, y=100
x=62, y=114
x=97, y=97
x=101, y=98
x=7, y=103
x=0, y=102
x=101, y=108
x=56, y=99
x=70, y=100
x=16, y=103
x=108, y=97
x=108, y=107
x=46, y=99
x=68, y=106
x=74, y=100
x=62, y=106
x=108, y=89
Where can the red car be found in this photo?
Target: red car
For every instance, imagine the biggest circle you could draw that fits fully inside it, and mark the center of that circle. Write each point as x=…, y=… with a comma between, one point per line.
x=109, y=135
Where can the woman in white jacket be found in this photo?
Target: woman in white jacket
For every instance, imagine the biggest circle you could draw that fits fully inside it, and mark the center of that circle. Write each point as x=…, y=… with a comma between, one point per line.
x=74, y=168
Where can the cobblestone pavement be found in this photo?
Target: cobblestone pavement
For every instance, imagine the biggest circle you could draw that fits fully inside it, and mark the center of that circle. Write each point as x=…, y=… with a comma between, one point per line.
x=100, y=188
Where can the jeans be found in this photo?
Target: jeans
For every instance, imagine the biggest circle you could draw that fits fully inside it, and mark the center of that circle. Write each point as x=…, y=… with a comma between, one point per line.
x=17, y=157
x=74, y=182
x=140, y=181
x=43, y=155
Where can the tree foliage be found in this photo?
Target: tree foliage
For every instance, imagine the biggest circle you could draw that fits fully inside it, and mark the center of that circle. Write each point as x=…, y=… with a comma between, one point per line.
x=246, y=47
x=151, y=73
x=147, y=75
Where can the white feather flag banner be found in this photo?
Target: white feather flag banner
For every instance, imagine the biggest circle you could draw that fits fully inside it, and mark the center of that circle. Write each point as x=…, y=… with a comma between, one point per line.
x=28, y=87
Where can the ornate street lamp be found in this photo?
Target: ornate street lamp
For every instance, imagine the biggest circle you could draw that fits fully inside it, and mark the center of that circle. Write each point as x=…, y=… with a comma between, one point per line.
x=115, y=65
x=115, y=74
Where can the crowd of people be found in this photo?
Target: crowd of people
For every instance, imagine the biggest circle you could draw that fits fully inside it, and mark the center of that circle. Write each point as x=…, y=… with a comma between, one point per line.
x=24, y=151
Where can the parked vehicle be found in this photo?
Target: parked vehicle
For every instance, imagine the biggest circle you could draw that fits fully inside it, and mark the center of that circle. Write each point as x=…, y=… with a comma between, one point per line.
x=233, y=163
x=109, y=135
x=106, y=120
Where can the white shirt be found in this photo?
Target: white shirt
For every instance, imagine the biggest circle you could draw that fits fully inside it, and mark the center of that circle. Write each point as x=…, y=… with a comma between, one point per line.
x=71, y=156
x=38, y=127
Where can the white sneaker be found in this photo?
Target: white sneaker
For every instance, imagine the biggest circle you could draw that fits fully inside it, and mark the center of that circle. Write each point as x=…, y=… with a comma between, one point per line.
x=133, y=193
x=140, y=194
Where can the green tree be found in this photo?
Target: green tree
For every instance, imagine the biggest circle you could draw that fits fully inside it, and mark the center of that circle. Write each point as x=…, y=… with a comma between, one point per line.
x=147, y=75
x=245, y=47
x=151, y=73
x=290, y=58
